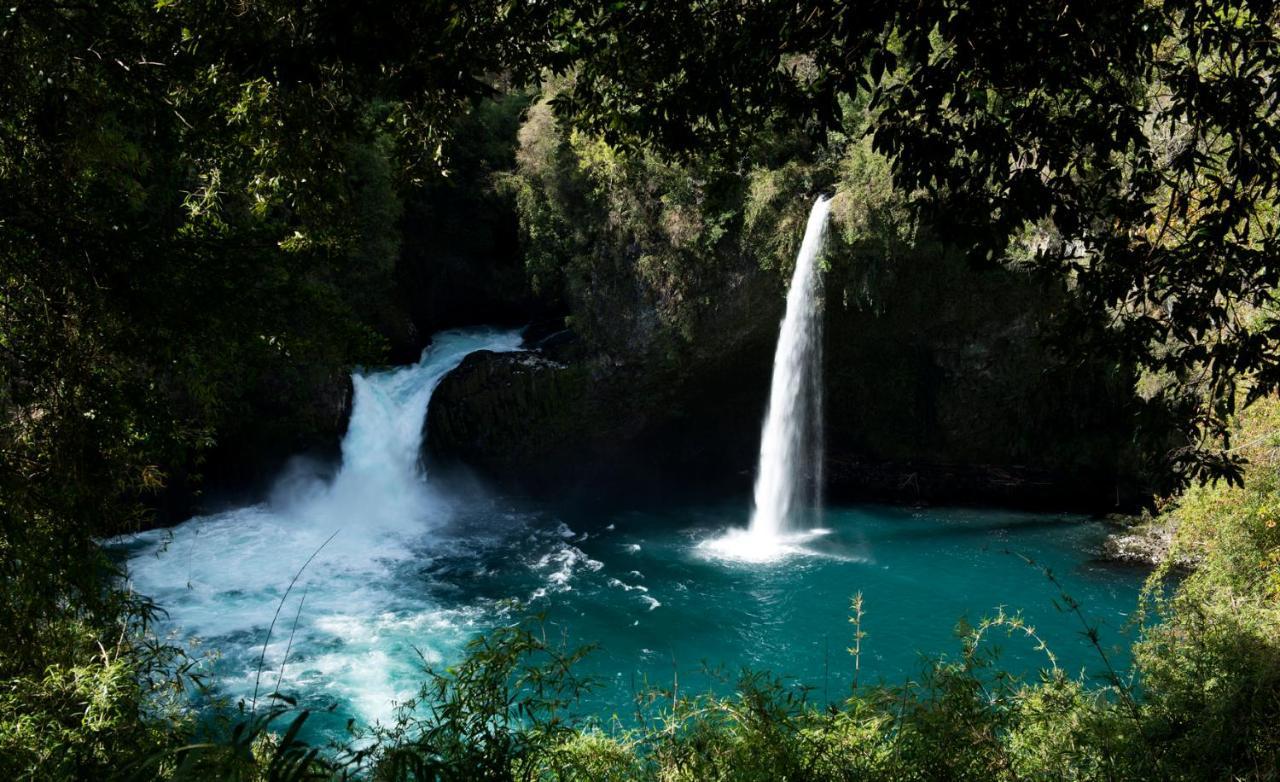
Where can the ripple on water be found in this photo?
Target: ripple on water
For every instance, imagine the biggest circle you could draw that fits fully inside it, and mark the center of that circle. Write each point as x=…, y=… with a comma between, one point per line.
x=658, y=593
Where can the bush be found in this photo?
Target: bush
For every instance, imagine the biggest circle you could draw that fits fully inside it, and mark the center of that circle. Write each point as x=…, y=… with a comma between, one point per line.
x=103, y=702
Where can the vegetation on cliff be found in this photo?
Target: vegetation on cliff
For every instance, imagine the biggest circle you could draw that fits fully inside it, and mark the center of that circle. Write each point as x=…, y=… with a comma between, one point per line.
x=200, y=207
x=1139, y=137
x=198, y=212
x=672, y=269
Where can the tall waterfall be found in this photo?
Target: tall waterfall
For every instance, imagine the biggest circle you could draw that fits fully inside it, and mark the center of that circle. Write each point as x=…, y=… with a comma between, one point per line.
x=790, y=445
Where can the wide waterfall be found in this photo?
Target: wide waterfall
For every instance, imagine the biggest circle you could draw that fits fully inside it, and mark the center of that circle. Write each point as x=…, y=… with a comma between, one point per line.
x=381, y=483
x=344, y=629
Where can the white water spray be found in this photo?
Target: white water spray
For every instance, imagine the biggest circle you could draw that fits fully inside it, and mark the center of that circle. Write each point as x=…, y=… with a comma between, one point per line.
x=381, y=484
x=346, y=630
x=788, y=479
x=792, y=422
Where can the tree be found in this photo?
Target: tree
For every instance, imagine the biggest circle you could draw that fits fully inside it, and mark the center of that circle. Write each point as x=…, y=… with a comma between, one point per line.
x=1134, y=141
x=187, y=231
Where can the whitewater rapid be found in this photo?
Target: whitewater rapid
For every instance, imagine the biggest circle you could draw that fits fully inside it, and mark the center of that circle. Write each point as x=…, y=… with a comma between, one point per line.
x=348, y=628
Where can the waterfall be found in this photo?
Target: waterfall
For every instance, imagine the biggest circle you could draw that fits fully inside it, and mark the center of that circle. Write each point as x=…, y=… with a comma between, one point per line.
x=790, y=444
x=224, y=576
x=380, y=482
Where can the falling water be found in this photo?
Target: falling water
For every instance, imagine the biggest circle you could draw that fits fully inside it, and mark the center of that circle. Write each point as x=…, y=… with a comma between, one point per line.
x=345, y=630
x=792, y=425
x=381, y=483
x=419, y=566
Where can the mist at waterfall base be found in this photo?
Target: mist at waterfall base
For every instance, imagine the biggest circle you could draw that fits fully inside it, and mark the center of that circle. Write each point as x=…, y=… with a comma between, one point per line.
x=414, y=569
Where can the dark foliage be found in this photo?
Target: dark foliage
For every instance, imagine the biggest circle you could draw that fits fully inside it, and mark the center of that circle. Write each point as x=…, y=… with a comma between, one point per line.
x=1140, y=138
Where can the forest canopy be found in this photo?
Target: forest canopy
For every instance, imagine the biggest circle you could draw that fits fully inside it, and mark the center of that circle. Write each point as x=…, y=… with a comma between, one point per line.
x=200, y=204
x=1135, y=140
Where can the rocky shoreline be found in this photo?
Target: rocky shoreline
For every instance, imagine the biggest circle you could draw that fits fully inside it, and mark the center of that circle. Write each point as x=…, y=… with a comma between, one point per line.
x=1149, y=542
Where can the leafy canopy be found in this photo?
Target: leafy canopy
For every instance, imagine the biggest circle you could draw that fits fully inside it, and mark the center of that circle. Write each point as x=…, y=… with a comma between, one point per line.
x=1136, y=141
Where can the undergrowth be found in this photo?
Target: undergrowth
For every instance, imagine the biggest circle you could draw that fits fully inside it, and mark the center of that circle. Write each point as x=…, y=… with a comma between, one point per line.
x=1201, y=700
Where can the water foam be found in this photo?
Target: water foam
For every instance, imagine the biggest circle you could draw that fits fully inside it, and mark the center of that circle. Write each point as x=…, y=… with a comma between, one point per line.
x=347, y=631
x=746, y=546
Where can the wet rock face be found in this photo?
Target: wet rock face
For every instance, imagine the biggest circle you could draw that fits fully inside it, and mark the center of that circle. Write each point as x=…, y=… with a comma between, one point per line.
x=952, y=398
x=935, y=392
x=533, y=422
x=505, y=411
x=852, y=477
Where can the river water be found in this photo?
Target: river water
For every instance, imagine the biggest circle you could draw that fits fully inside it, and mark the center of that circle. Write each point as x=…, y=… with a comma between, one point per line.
x=338, y=589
